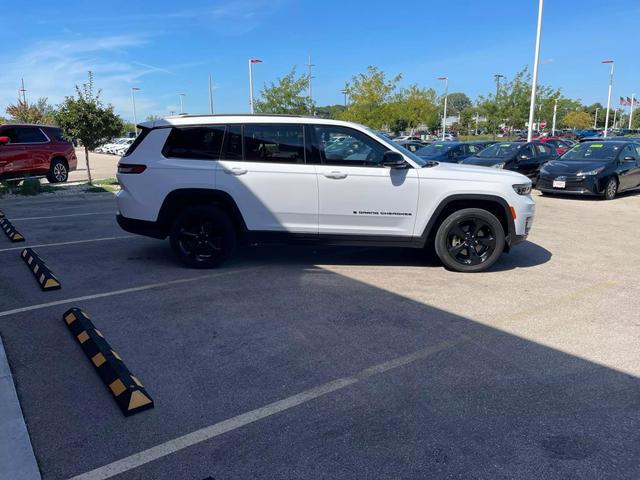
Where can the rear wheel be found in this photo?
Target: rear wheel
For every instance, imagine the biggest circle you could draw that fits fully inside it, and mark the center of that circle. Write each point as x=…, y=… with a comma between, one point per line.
x=58, y=171
x=611, y=189
x=470, y=240
x=203, y=237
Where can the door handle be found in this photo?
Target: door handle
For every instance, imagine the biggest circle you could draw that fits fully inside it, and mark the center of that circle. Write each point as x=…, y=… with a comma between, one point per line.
x=235, y=171
x=335, y=175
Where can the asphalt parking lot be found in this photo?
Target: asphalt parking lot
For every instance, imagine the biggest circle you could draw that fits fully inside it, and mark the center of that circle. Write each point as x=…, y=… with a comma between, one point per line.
x=295, y=362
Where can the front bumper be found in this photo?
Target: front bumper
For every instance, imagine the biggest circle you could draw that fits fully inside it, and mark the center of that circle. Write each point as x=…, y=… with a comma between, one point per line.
x=574, y=185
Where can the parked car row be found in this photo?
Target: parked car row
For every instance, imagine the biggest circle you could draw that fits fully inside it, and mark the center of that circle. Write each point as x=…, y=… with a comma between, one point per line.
x=117, y=146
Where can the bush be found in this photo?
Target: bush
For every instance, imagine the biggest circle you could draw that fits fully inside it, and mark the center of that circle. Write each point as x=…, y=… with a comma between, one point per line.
x=30, y=186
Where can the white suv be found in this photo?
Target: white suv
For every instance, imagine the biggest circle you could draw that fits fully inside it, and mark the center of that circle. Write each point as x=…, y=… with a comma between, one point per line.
x=209, y=182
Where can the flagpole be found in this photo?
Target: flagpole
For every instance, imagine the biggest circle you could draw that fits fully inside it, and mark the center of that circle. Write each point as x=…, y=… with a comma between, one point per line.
x=606, y=122
x=631, y=109
x=555, y=110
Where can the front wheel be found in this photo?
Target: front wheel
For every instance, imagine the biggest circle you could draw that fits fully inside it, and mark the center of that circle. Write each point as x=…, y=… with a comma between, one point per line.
x=611, y=189
x=470, y=240
x=203, y=237
x=58, y=171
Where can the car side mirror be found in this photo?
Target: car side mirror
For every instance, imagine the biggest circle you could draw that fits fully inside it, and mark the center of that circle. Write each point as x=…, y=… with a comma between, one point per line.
x=628, y=160
x=393, y=160
x=4, y=140
x=523, y=156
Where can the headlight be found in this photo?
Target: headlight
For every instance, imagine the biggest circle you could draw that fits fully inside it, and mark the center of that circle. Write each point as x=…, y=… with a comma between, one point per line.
x=522, y=188
x=498, y=165
x=590, y=172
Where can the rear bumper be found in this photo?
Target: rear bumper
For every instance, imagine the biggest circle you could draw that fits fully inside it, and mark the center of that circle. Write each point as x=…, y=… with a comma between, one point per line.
x=141, y=227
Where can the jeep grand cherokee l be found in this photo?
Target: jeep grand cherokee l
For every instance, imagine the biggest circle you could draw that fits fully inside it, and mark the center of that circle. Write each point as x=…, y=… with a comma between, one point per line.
x=208, y=182
x=35, y=150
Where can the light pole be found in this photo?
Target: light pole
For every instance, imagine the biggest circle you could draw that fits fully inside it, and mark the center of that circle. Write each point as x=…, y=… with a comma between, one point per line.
x=633, y=95
x=498, y=76
x=181, y=96
x=210, y=96
x=309, y=67
x=606, y=122
x=553, y=123
x=444, y=115
x=345, y=92
x=477, y=115
x=615, y=116
x=595, y=121
x=133, y=106
x=251, y=62
x=534, y=78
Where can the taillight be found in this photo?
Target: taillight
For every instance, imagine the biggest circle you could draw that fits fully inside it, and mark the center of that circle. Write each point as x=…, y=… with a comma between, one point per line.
x=131, y=168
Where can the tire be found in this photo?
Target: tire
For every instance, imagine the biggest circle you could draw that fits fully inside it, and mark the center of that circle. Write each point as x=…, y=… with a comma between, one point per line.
x=469, y=240
x=610, y=189
x=58, y=171
x=203, y=236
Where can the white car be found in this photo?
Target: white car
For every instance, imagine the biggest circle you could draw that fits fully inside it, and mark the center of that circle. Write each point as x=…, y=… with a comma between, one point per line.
x=211, y=181
x=118, y=144
x=107, y=147
x=122, y=148
x=407, y=138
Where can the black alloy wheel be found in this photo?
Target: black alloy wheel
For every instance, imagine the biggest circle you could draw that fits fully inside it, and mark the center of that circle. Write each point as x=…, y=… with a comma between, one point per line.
x=470, y=240
x=203, y=237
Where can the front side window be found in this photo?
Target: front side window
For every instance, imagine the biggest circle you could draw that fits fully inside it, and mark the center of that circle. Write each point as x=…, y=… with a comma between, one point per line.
x=30, y=135
x=628, y=151
x=202, y=143
x=9, y=132
x=232, y=148
x=274, y=143
x=527, y=151
x=343, y=146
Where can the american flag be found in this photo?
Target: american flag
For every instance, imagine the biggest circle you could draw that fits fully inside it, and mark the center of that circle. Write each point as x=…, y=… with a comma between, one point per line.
x=623, y=102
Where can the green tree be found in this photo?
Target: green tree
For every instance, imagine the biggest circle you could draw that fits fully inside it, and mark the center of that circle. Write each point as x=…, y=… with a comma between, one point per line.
x=369, y=95
x=410, y=108
x=577, y=120
x=85, y=118
x=39, y=112
x=288, y=94
x=330, y=111
x=457, y=102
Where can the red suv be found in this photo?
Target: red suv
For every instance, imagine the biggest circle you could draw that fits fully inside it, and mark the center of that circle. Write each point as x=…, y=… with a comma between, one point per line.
x=35, y=150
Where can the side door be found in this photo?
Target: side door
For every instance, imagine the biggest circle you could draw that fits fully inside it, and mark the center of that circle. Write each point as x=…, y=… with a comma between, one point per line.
x=628, y=171
x=526, y=161
x=357, y=195
x=13, y=156
x=37, y=150
x=264, y=168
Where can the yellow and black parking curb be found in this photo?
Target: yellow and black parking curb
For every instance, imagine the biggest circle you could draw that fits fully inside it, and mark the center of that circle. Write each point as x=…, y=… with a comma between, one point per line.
x=128, y=391
x=43, y=274
x=11, y=231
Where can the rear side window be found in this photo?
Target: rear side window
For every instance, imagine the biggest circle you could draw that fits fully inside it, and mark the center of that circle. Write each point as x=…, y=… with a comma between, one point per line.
x=203, y=143
x=30, y=135
x=56, y=134
x=9, y=132
x=274, y=143
x=143, y=133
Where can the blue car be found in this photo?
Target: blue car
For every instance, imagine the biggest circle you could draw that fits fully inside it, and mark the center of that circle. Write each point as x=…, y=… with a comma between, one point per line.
x=448, y=152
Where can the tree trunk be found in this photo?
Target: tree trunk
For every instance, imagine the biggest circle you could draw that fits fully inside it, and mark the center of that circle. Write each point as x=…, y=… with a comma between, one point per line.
x=86, y=157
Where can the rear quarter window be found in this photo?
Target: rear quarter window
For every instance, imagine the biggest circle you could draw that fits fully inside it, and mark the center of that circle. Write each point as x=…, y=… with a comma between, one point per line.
x=200, y=143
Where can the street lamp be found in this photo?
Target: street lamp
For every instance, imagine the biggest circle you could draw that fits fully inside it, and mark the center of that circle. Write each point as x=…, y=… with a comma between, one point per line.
x=606, y=122
x=251, y=62
x=498, y=76
x=181, y=96
x=345, y=92
x=444, y=115
x=133, y=105
x=534, y=78
x=553, y=124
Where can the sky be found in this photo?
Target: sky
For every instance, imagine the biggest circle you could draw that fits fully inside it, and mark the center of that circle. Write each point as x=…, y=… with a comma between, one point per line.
x=170, y=47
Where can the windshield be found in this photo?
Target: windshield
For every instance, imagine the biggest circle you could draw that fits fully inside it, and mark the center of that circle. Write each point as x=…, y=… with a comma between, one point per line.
x=420, y=161
x=593, y=151
x=434, y=149
x=499, y=150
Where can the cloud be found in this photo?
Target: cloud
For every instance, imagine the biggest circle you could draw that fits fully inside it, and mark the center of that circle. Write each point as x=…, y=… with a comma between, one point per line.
x=52, y=68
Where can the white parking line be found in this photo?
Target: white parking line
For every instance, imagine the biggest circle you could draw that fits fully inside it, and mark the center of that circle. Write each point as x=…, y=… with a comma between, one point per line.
x=73, y=242
x=207, y=433
x=122, y=292
x=110, y=212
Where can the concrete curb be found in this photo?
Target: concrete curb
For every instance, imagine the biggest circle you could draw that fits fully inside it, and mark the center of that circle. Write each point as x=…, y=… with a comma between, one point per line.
x=16, y=454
